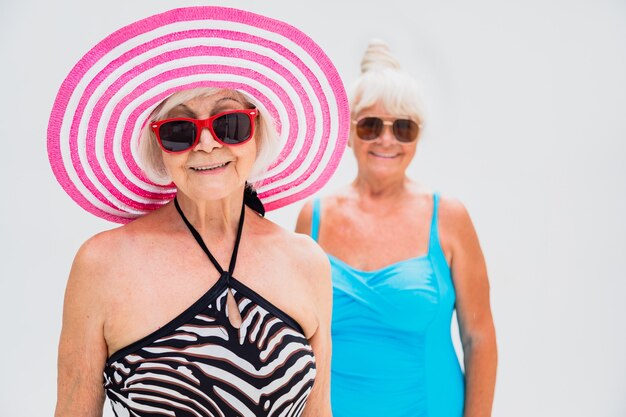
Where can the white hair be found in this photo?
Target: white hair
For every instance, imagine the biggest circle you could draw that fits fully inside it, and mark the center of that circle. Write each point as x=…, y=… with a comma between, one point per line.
x=150, y=154
x=382, y=81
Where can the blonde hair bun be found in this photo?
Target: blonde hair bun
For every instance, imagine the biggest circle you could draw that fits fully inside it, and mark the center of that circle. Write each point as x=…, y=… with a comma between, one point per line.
x=378, y=57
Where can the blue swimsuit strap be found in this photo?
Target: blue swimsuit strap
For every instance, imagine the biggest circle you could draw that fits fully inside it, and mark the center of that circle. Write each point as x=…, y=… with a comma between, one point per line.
x=434, y=245
x=315, y=219
x=433, y=239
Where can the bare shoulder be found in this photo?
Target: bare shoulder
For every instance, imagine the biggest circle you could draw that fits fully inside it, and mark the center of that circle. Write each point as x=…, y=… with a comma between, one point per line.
x=455, y=225
x=328, y=203
x=87, y=282
x=299, y=254
x=452, y=210
x=300, y=249
x=100, y=259
x=306, y=252
x=94, y=256
x=101, y=249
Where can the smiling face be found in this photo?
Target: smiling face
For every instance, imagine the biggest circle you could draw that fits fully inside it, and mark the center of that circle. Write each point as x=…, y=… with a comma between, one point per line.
x=384, y=157
x=210, y=170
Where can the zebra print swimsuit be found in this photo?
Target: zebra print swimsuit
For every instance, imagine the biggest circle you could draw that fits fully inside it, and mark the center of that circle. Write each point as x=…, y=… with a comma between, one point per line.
x=200, y=365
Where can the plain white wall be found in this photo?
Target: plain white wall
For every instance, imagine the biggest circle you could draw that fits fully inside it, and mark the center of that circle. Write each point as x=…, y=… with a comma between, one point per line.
x=527, y=126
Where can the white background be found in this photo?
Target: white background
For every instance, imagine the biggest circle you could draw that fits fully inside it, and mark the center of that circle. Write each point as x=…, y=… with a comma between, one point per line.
x=527, y=126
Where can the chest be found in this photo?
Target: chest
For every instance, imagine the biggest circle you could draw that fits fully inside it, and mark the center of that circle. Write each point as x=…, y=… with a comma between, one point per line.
x=370, y=242
x=155, y=286
x=405, y=297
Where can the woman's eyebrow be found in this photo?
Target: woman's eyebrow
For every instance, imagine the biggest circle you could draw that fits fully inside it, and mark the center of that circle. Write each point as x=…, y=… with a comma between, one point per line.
x=182, y=108
x=226, y=98
x=220, y=104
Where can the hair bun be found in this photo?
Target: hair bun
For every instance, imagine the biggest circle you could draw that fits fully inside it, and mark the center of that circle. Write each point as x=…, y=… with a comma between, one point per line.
x=377, y=57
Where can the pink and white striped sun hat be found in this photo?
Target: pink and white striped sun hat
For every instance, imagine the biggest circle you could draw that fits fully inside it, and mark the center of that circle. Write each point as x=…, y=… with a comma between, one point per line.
x=108, y=96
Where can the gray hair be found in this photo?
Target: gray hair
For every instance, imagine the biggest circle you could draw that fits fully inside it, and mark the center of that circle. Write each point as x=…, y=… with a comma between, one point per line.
x=383, y=81
x=150, y=155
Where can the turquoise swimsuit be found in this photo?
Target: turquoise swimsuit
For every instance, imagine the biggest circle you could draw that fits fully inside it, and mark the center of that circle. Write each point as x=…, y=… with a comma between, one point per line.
x=392, y=350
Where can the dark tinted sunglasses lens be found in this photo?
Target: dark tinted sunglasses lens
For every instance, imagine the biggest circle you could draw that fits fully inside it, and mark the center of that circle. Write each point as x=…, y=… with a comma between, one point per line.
x=232, y=128
x=369, y=128
x=405, y=130
x=177, y=135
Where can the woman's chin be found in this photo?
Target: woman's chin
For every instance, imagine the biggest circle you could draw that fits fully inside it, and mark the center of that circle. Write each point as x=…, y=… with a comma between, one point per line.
x=384, y=170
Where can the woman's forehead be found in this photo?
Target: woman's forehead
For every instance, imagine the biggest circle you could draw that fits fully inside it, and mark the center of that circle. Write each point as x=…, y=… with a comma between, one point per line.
x=202, y=103
x=216, y=98
x=379, y=110
x=386, y=111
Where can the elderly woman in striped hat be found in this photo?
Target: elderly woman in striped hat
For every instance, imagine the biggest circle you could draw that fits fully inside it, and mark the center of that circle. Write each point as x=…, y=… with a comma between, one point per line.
x=200, y=306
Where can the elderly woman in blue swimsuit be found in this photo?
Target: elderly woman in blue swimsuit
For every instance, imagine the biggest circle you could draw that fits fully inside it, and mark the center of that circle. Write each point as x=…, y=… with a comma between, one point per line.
x=403, y=258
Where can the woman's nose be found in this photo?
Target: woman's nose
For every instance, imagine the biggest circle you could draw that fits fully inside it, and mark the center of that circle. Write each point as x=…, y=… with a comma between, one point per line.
x=386, y=135
x=207, y=142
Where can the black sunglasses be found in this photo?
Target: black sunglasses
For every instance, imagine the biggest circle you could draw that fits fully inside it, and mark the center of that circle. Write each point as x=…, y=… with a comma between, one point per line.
x=369, y=128
x=180, y=134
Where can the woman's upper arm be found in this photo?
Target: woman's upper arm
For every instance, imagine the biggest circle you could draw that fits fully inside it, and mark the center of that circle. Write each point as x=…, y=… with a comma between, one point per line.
x=318, y=403
x=469, y=271
x=82, y=348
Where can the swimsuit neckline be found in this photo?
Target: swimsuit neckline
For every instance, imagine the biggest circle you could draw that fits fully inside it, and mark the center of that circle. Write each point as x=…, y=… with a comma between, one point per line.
x=198, y=306
x=382, y=269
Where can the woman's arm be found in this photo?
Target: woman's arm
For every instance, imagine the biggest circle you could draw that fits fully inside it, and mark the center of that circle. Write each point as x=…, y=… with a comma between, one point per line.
x=82, y=348
x=471, y=284
x=317, y=269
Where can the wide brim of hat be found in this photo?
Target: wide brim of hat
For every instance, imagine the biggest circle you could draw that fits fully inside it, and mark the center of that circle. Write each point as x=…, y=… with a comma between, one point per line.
x=106, y=99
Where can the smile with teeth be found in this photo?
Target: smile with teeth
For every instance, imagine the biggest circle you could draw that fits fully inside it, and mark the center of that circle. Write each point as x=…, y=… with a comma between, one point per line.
x=383, y=155
x=210, y=167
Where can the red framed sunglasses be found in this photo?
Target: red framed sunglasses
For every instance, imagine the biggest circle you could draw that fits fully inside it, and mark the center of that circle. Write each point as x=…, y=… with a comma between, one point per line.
x=233, y=127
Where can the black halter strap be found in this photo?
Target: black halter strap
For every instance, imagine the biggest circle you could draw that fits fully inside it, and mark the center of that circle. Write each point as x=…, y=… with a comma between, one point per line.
x=196, y=235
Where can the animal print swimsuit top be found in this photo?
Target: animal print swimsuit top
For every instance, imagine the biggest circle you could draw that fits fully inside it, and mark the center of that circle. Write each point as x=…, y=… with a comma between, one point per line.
x=200, y=365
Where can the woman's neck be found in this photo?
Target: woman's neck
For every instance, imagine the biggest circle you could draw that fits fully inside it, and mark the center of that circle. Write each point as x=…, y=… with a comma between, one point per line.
x=213, y=217
x=380, y=188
